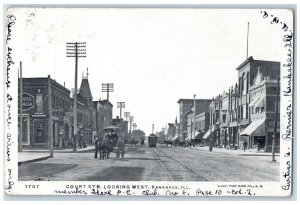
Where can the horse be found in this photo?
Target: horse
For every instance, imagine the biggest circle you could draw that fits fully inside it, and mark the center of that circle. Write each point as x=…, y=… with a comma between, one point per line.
x=169, y=142
x=102, y=146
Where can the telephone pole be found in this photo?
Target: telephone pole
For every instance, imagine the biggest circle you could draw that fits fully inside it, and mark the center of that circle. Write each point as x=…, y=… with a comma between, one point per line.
x=107, y=88
x=126, y=115
x=76, y=50
x=50, y=134
x=21, y=110
x=120, y=105
x=247, y=40
x=131, y=118
x=194, y=128
x=276, y=117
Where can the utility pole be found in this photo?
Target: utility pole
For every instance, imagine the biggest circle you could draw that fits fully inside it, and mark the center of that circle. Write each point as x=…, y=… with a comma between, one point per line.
x=276, y=117
x=107, y=88
x=134, y=126
x=126, y=115
x=194, y=119
x=21, y=110
x=50, y=118
x=152, y=128
x=247, y=40
x=76, y=50
x=97, y=126
x=131, y=120
x=120, y=105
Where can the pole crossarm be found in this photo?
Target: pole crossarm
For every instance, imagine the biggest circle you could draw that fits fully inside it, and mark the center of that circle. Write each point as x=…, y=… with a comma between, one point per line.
x=107, y=88
x=120, y=104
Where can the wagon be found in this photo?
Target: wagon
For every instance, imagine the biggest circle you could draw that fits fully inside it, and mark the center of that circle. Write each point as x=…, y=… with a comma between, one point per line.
x=115, y=140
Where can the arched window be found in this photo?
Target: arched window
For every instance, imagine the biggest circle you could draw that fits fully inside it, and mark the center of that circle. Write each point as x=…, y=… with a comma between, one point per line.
x=248, y=82
x=240, y=85
x=244, y=84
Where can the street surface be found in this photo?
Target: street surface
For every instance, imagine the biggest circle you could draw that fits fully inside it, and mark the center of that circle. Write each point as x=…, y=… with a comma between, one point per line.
x=153, y=164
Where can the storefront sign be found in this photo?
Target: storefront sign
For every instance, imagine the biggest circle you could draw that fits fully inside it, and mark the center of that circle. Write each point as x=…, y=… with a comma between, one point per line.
x=27, y=103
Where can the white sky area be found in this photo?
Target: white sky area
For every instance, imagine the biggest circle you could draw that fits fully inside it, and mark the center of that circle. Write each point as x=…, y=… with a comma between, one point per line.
x=153, y=56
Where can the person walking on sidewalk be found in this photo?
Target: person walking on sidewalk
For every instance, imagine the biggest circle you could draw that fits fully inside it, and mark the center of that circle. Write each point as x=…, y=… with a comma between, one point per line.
x=97, y=146
x=211, y=144
x=245, y=145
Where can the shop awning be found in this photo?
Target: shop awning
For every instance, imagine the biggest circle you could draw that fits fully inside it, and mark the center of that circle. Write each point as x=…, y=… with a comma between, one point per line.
x=260, y=103
x=175, y=138
x=255, y=128
x=254, y=101
x=198, y=135
x=208, y=133
x=188, y=138
x=169, y=139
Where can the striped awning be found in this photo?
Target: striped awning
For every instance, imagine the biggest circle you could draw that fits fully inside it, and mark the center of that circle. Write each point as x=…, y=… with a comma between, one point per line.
x=260, y=103
x=208, y=133
x=255, y=128
x=254, y=101
x=188, y=138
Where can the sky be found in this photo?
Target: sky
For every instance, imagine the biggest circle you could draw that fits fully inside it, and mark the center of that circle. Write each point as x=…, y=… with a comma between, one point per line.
x=154, y=57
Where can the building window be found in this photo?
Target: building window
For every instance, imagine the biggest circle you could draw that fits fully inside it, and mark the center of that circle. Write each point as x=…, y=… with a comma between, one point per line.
x=241, y=112
x=224, y=118
x=247, y=87
x=247, y=114
x=244, y=81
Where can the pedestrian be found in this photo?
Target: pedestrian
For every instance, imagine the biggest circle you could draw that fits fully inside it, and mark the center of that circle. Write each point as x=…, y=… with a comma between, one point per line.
x=97, y=140
x=211, y=144
x=245, y=145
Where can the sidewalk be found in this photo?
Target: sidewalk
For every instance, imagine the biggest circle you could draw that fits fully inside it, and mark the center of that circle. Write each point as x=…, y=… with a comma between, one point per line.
x=25, y=156
x=240, y=152
x=34, y=155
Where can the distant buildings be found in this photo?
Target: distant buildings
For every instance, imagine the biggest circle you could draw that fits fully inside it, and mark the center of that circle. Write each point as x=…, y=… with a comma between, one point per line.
x=186, y=111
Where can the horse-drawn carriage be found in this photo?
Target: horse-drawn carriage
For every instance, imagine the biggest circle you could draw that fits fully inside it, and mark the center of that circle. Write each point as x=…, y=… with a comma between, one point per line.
x=111, y=140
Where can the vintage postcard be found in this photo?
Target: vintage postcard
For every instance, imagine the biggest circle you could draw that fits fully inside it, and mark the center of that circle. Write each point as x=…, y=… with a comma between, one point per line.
x=148, y=101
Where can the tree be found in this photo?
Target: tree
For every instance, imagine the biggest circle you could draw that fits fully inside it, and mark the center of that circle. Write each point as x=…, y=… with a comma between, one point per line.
x=138, y=135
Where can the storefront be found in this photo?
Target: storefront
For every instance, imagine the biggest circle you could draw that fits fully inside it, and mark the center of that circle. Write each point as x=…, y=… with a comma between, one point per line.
x=254, y=134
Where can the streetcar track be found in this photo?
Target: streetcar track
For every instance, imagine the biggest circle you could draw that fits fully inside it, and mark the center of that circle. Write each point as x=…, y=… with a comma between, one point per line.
x=178, y=162
x=163, y=166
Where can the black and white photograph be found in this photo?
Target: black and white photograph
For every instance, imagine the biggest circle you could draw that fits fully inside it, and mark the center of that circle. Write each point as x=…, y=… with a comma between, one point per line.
x=148, y=101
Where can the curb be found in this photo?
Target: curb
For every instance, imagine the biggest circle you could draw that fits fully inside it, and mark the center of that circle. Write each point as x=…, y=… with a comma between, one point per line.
x=78, y=151
x=259, y=155
x=33, y=160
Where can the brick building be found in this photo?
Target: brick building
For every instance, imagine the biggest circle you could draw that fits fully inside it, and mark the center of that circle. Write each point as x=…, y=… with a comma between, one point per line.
x=36, y=114
x=247, y=111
